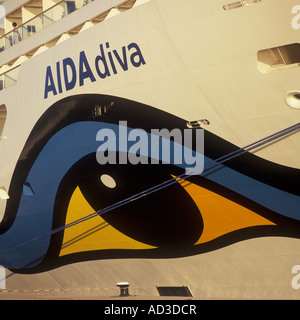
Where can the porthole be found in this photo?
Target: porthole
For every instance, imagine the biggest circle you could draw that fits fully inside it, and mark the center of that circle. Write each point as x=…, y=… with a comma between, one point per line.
x=292, y=99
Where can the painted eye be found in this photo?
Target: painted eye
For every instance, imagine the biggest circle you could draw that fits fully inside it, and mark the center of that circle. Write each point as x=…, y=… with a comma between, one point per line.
x=245, y=198
x=167, y=218
x=189, y=216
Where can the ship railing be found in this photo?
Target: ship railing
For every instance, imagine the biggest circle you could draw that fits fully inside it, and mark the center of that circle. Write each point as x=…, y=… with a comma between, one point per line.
x=9, y=77
x=40, y=22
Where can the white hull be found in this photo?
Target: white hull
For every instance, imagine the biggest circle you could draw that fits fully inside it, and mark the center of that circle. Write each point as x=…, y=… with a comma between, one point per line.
x=187, y=60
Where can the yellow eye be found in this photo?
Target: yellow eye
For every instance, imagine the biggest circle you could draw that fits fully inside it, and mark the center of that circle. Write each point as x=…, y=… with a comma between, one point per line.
x=220, y=215
x=93, y=234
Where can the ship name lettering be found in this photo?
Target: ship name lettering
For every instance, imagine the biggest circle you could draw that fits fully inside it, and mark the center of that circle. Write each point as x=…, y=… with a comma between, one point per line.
x=106, y=64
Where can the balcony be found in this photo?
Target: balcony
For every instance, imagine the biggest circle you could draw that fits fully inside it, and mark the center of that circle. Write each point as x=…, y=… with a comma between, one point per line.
x=40, y=22
x=9, y=78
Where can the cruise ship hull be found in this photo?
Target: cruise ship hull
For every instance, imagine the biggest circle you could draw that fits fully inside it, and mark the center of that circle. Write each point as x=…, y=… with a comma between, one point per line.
x=160, y=65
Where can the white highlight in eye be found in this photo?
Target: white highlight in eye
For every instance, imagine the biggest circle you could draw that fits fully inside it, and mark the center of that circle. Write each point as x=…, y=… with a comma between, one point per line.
x=108, y=181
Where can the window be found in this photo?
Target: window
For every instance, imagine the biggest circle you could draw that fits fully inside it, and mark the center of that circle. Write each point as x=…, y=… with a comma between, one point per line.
x=198, y=123
x=239, y=4
x=2, y=119
x=278, y=58
x=174, y=291
x=100, y=110
x=292, y=99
